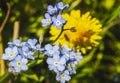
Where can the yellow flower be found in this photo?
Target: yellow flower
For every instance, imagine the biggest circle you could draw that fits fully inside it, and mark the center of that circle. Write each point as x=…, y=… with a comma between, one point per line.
x=80, y=31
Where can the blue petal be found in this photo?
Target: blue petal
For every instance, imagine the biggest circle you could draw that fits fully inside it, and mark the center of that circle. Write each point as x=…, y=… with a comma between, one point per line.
x=62, y=61
x=15, y=50
x=48, y=47
x=68, y=77
x=24, y=61
x=66, y=72
x=56, y=47
x=16, y=42
x=47, y=16
x=24, y=67
x=56, y=57
x=17, y=69
x=61, y=67
x=59, y=16
x=5, y=57
x=52, y=10
x=44, y=22
x=50, y=61
x=51, y=67
x=8, y=50
x=12, y=63
x=18, y=58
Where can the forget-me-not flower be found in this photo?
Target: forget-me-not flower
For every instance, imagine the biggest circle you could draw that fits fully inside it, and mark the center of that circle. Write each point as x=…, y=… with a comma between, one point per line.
x=60, y=6
x=27, y=53
x=66, y=52
x=76, y=57
x=10, y=53
x=47, y=20
x=58, y=21
x=56, y=63
x=52, y=10
x=32, y=44
x=19, y=64
x=63, y=76
x=70, y=67
x=51, y=50
x=15, y=43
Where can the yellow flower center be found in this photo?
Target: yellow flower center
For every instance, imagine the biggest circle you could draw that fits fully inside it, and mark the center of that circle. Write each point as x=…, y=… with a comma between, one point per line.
x=48, y=20
x=19, y=63
x=11, y=55
x=56, y=63
x=51, y=51
x=62, y=75
x=69, y=66
x=67, y=55
x=58, y=22
x=76, y=55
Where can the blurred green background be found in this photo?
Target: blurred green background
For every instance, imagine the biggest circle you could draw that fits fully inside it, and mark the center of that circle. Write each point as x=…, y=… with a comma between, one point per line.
x=100, y=65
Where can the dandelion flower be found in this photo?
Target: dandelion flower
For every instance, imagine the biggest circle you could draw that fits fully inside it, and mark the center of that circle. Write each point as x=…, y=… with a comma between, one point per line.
x=80, y=31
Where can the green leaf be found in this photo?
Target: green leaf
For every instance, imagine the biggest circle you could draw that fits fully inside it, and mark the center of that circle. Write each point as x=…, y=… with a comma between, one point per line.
x=87, y=58
x=31, y=75
x=114, y=14
x=4, y=77
x=1, y=14
x=42, y=78
x=33, y=63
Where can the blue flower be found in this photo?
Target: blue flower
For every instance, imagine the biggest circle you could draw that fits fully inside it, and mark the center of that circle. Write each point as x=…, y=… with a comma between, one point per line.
x=47, y=21
x=70, y=67
x=56, y=63
x=66, y=52
x=27, y=53
x=60, y=6
x=76, y=57
x=10, y=53
x=51, y=50
x=19, y=64
x=15, y=43
x=58, y=21
x=32, y=44
x=52, y=10
x=63, y=76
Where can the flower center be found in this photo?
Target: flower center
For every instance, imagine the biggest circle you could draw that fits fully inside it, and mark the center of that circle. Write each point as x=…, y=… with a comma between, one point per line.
x=58, y=22
x=19, y=63
x=17, y=44
x=62, y=75
x=56, y=63
x=51, y=51
x=48, y=20
x=11, y=55
x=33, y=47
x=67, y=55
x=76, y=55
x=25, y=53
x=69, y=66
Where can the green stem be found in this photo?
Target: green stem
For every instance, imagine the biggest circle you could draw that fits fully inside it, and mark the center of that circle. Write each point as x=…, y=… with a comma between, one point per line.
x=62, y=29
x=59, y=34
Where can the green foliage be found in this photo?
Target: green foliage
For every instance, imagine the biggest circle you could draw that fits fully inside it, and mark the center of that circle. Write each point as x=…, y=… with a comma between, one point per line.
x=101, y=65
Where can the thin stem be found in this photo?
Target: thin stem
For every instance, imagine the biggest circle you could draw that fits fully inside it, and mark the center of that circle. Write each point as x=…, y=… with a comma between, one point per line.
x=6, y=17
x=59, y=34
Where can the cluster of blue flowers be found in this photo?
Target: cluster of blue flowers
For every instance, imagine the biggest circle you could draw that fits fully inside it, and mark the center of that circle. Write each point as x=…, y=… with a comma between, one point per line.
x=53, y=16
x=18, y=53
x=62, y=60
